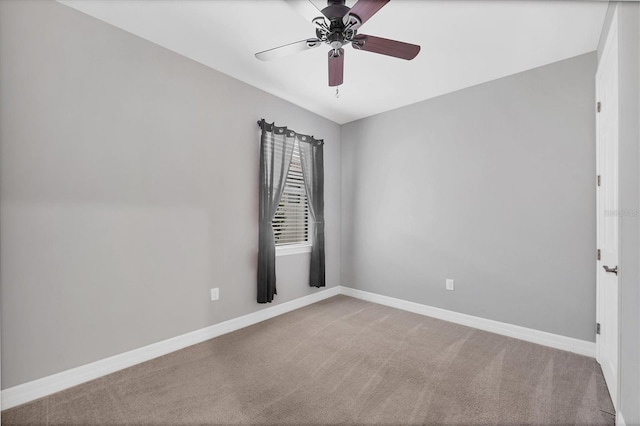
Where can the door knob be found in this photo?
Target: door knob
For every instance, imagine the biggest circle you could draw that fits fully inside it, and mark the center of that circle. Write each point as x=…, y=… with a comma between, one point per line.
x=614, y=269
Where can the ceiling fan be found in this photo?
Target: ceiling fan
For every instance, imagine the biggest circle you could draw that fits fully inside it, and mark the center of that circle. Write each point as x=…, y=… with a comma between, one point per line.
x=338, y=27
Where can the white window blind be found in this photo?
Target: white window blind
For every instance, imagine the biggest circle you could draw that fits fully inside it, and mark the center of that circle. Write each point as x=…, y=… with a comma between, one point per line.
x=291, y=222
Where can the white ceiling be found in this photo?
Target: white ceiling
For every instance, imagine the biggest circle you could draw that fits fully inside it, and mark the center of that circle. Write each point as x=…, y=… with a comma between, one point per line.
x=464, y=43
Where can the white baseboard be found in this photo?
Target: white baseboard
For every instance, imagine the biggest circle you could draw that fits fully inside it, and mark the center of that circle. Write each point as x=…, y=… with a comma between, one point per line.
x=570, y=344
x=620, y=419
x=39, y=388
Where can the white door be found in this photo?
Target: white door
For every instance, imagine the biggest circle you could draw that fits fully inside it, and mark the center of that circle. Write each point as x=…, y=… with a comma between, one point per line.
x=607, y=213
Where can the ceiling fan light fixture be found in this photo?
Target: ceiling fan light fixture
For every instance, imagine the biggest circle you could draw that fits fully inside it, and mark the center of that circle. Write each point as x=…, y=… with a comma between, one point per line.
x=352, y=21
x=320, y=22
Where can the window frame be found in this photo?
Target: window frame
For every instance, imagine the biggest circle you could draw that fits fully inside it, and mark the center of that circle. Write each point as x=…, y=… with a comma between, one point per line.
x=290, y=249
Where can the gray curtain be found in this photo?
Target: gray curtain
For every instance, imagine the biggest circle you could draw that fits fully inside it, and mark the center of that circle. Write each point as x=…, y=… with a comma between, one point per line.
x=311, y=157
x=276, y=150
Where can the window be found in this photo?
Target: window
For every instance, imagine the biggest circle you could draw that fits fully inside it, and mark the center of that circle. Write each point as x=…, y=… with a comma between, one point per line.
x=291, y=222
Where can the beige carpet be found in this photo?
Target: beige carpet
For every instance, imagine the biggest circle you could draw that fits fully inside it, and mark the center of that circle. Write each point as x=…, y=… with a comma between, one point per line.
x=342, y=361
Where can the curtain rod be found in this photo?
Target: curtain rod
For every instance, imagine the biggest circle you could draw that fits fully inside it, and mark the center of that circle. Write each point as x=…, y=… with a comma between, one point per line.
x=304, y=137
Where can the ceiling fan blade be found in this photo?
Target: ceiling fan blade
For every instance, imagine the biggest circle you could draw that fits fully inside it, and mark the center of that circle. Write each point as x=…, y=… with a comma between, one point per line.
x=336, y=68
x=387, y=47
x=365, y=9
x=288, y=49
x=305, y=8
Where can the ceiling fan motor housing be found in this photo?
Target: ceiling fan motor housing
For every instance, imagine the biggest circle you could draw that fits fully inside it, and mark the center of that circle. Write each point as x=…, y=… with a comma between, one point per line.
x=335, y=28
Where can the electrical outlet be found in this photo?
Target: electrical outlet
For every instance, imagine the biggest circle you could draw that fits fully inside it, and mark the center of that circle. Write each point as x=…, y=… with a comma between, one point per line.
x=449, y=284
x=215, y=294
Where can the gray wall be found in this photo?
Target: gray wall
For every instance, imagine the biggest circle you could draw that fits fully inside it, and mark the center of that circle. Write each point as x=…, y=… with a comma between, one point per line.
x=492, y=186
x=128, y=189
x=629, y=179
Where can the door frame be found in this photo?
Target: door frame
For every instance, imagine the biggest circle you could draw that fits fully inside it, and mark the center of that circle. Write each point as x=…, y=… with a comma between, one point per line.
x=611, y=41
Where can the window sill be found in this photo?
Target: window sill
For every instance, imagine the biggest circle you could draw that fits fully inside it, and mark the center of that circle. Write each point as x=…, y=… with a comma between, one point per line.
x=293, y=249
